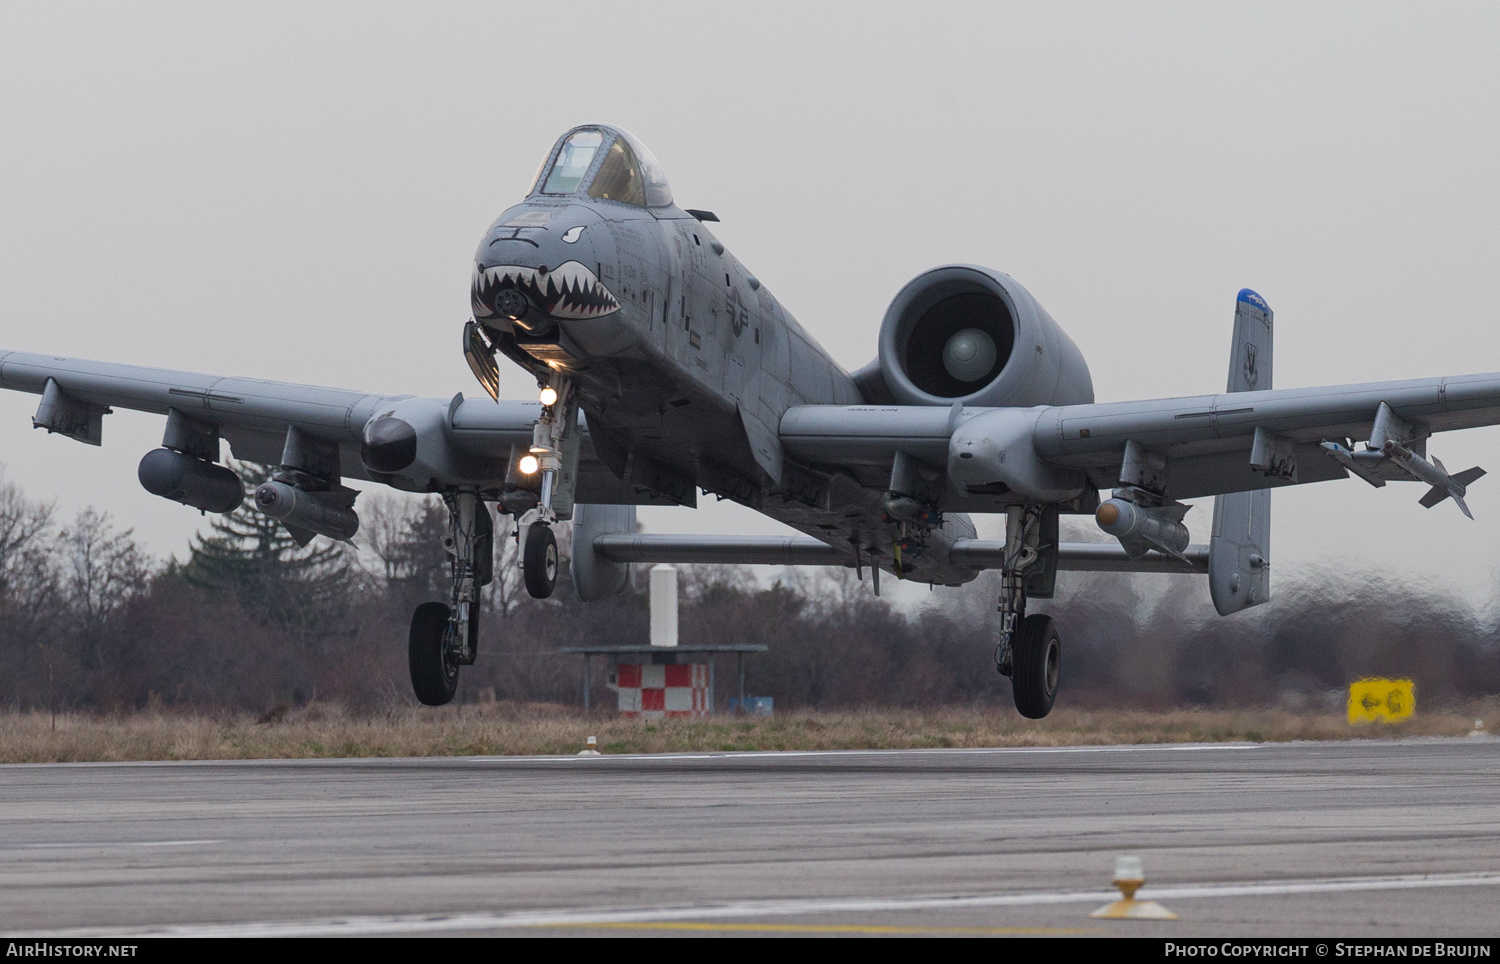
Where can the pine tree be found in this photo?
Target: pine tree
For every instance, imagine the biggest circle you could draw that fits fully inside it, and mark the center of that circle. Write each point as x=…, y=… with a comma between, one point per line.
x=305, y=591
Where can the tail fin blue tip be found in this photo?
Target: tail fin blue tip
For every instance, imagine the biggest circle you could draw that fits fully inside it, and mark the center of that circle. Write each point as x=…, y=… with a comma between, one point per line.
x=1250, y=297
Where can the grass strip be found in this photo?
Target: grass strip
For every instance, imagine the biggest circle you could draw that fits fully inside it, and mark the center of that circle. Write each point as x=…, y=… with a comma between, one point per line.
x=329, y=731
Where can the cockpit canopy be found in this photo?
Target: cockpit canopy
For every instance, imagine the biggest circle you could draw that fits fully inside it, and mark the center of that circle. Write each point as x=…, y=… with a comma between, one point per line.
x=606, y=163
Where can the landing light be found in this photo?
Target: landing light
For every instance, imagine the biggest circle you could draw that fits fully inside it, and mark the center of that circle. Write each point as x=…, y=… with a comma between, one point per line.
x=528, y=465
x=549, y=395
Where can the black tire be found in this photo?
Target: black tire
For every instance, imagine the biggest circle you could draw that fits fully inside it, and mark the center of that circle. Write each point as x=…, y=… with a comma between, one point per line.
x=434, y=672
x=1036, y=659
x=539, y=560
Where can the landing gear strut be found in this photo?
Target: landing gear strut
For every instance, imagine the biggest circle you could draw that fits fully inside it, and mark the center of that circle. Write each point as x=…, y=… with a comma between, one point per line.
x=555, y=447
x=1030, y=649
x=445, y=636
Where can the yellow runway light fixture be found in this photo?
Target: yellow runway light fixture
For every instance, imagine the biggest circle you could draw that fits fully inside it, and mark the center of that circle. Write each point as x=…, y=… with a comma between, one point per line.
x=1381, y=700
x=1129, y=876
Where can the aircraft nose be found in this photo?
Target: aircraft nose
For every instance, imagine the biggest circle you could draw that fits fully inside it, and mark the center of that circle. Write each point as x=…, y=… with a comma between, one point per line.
x=534, y=296
x=536, y=267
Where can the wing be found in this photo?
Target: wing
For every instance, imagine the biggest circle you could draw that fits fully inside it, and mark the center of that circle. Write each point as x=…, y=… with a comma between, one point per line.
x=474, y=439
x=1208, y=441
x=251, y=414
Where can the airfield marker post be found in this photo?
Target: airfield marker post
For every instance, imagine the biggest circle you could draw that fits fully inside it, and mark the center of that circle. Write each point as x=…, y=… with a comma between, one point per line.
x=663, y=606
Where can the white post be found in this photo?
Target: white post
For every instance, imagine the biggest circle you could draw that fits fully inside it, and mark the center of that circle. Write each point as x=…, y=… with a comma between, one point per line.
x=663, y=605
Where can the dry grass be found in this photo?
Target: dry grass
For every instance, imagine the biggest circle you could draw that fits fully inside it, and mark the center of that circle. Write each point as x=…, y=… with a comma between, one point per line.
x=320, y=730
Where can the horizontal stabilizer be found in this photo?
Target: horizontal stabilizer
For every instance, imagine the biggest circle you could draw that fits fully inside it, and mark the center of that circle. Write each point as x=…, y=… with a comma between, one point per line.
x=636, y=547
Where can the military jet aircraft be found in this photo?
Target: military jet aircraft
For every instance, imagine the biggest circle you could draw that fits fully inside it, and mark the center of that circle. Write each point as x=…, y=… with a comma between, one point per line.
x=666, y=368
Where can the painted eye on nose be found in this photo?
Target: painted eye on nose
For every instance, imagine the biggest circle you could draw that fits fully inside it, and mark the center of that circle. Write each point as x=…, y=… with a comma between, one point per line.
x=572, y=234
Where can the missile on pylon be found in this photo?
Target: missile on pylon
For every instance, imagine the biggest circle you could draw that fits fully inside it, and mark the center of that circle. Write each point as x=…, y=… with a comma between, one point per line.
x=298, y=509
x=1444, y=486
x=1141, y=529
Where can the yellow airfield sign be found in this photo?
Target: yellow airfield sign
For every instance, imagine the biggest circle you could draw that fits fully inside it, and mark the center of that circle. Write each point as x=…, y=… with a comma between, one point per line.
x=1381, y=700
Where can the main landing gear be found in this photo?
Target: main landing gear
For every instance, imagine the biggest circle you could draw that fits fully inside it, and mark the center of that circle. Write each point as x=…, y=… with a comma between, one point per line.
x=1030, y=648
x=445, y=636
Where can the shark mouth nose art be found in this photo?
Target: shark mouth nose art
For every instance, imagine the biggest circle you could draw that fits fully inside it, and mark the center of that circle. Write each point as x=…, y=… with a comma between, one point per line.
x=568, y=291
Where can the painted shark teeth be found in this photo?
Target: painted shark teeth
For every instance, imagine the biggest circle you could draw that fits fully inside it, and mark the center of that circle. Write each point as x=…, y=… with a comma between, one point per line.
x=568, y=291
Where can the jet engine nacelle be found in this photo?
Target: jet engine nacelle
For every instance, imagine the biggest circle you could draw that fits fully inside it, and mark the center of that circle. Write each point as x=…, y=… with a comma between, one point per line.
x=182, y=478
x=969, y=334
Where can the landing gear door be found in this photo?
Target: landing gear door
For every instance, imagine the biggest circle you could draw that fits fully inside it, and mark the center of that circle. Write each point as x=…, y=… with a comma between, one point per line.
x=1040, y=581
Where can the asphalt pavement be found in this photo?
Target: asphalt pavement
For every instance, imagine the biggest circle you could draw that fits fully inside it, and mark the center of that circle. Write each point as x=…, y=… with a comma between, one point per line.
x=1360, y=839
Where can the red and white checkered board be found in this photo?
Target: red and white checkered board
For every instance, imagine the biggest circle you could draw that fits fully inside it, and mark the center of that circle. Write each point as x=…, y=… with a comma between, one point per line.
x=657, y=691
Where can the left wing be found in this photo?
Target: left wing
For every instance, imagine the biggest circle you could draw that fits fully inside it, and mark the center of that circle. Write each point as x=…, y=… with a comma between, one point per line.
x=1208, y=444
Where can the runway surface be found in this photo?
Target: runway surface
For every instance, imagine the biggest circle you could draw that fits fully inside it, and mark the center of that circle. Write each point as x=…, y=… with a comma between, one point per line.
x=1358, y=839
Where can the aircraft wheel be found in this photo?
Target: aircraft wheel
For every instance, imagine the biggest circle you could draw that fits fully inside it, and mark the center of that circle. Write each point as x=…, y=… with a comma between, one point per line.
x=434, y=672
x=1036, y=660
x=539, y=560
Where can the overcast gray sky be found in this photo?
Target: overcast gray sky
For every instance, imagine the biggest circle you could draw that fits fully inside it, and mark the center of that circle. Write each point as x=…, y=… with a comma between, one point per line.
x=295, y=191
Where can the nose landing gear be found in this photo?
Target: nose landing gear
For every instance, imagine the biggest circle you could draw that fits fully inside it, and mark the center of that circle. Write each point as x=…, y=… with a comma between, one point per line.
x=555, y=447
x=539, y=560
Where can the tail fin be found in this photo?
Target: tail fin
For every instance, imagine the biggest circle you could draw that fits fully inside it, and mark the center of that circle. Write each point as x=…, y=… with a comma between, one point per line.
x=1239, y=552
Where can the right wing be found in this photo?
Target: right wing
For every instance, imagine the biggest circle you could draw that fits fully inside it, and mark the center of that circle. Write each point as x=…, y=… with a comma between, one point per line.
x=254, y=416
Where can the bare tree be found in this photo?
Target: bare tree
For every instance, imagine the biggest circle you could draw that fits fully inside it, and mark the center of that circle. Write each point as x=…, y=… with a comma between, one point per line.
x=24, y=524
x=105, y=569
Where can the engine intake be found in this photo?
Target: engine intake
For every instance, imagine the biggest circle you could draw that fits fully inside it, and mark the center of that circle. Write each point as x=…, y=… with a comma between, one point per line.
x=965, y=333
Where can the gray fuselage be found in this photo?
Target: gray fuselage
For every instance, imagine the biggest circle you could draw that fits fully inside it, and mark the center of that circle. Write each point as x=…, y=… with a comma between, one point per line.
x=685, y=385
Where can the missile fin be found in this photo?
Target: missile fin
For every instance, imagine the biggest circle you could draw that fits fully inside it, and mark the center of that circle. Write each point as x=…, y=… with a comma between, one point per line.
x=1168, y=550
x=1434, y=495
x=1456, y=489
x=1468, y=477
